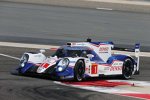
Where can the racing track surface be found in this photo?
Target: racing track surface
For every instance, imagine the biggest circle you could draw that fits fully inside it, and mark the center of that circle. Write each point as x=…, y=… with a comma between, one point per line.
x=56, y=25
x=13, y=87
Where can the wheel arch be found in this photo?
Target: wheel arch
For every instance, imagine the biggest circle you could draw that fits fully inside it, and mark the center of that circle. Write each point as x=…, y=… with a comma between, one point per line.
x=82, y=60
x=120, y=58
x=80, y=78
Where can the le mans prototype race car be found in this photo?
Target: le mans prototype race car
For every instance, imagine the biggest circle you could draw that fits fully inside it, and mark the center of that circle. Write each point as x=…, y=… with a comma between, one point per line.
x=80, y=60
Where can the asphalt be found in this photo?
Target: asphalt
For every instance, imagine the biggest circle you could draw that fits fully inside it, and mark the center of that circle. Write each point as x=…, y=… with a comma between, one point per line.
x=14, y=87
x=30, y=23
x=142, y=6
x=40, y=24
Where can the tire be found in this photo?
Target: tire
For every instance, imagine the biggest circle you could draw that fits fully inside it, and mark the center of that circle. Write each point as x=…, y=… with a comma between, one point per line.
x=127, y=69
x=79, y=70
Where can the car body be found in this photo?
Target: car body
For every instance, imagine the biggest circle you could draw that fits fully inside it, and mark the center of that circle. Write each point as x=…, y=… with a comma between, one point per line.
x=80, y=60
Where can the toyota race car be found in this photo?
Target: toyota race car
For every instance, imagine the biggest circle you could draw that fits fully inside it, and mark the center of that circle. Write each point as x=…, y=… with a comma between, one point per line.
x=80, y=60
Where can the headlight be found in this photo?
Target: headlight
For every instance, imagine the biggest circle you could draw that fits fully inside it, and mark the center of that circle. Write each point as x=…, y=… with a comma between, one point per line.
x=23, y=60
x=63, y=64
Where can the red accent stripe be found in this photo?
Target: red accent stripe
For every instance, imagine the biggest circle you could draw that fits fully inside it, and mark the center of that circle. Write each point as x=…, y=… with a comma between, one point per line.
x=102, y=83
x=138, y=95
x=45, y=65
x=53, y=49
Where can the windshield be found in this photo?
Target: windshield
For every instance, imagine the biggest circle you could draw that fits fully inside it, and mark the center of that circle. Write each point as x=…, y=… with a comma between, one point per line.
x=76, y=52
x=71, y=53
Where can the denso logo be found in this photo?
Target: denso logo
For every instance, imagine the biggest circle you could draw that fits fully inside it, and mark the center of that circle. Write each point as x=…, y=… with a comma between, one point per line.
x=116, y=66
x=103, y=49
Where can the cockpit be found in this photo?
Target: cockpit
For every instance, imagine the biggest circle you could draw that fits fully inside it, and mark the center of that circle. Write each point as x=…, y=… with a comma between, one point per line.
x=76, y=51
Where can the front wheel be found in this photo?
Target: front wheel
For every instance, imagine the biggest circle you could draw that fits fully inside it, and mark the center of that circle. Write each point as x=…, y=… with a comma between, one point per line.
x=79, y=70
x=127, y=68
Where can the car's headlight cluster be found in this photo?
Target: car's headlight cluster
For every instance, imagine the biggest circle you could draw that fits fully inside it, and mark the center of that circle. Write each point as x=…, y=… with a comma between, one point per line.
x=63, y=64
x=23, y=60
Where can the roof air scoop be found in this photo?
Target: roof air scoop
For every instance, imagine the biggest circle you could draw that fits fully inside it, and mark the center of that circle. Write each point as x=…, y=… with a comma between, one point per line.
x=89, y=40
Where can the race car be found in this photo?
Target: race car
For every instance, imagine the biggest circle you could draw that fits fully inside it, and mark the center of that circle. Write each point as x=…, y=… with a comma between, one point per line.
x=80, y=60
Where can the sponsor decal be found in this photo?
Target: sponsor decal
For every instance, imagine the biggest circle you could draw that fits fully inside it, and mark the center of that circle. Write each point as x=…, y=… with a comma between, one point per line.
x=116, y=66
x=103, y=49
x=94, y=68
x=117, y=63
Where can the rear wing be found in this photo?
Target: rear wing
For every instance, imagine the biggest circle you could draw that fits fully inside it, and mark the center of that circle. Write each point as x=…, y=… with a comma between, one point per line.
x=137, y=57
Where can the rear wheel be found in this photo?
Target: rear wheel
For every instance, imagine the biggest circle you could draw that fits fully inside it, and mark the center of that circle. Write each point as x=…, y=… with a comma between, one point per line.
x=79, y=70
x=127, y=68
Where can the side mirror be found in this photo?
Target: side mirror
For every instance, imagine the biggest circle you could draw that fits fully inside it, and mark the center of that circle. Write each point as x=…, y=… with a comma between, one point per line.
x=42, y=51
x=90, y=56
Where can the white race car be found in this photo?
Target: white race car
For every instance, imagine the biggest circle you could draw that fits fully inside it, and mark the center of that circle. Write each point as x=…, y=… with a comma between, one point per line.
x=79, y=60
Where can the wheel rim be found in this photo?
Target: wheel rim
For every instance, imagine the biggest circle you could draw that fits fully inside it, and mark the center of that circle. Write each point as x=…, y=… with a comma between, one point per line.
x=128, y=68
x=80, y=71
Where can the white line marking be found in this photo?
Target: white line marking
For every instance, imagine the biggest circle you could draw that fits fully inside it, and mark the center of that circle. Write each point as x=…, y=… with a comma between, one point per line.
x=25, y=45
x=104, y=9
x=9, y=56
x=37, y=46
